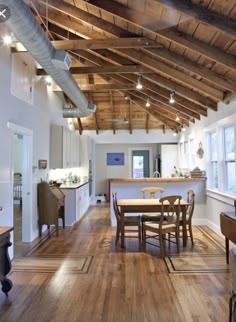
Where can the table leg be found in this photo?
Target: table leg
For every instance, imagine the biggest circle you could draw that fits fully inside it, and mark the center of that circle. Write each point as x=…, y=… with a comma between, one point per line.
x=122, y=229
x=184, y=227
x=227, y=249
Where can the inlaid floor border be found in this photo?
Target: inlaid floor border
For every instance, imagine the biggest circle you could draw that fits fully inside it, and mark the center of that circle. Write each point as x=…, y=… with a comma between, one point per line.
x=169, y=260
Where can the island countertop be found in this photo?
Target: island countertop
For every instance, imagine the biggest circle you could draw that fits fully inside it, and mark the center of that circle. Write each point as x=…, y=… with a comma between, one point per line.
x=155, y=180
x=129, y=188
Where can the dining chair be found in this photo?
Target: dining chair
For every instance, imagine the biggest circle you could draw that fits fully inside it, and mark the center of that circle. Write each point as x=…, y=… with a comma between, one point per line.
x=151, y=192
x=189, y=215
x=168, y=224
x=130, y=221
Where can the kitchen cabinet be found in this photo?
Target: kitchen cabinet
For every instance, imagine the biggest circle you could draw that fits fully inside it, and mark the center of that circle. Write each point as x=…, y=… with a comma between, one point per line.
x=76, y=202
x=64, y=148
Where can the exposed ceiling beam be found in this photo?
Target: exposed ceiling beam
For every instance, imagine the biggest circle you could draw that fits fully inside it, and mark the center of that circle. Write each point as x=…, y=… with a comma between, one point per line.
x=104, y=43
x=178, y=88
x=137, y=18
x=100, y=87
x=221, y=23
x=103, y=70
x=189, y=65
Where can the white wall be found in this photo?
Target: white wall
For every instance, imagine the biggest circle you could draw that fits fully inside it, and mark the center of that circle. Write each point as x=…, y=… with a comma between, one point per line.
x=104, y=172
x=47, y=108
x=215, y=202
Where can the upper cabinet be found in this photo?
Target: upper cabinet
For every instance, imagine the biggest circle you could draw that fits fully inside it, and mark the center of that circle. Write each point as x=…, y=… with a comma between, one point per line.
x=64, y=148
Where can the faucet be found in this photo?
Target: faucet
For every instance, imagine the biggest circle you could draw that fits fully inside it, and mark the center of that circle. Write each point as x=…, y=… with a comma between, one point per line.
x=156, y=174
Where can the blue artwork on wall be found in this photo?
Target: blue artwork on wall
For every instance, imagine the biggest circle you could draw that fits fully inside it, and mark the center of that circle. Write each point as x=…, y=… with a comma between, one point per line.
x=115, y=158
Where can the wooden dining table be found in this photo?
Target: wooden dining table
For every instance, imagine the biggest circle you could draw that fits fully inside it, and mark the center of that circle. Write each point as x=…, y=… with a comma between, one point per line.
x=145, y=206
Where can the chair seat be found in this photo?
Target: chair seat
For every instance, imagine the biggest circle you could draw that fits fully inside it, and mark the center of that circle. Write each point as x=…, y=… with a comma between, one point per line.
x=155, y=227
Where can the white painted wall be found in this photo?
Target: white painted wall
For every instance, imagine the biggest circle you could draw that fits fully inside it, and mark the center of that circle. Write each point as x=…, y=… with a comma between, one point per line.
x=215, y=202
x=104, y=172
x=47, y=108
x=169, y=159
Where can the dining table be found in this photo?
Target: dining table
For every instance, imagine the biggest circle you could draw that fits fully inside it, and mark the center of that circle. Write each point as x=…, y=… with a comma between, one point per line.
x=145, y=206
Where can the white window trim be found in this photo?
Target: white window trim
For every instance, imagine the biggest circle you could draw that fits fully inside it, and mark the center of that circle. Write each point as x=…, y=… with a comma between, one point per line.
x=218, y=127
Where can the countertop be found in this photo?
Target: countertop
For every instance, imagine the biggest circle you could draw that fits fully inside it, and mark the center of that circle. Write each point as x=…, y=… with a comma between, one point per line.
x=170, y=180
x=5, y=230
x=70, y=185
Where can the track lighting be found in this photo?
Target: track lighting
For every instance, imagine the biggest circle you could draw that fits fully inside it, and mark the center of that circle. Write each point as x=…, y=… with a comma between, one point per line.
x=172, y=100
x=48, y=80
x=7, y=40
x=139, y=84
x=148, y=104
x=177, y=117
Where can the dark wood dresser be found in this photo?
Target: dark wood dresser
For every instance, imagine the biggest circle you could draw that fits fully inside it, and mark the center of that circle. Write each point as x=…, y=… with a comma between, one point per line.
x=51, y=201
x=5, y=262
x=228, y=229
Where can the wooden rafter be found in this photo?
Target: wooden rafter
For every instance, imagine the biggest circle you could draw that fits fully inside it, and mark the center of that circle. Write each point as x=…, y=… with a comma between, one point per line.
x=104, y=43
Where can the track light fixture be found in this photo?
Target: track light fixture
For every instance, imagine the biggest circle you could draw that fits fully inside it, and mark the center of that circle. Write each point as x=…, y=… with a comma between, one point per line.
x=139, y=83
x=177, y=117
x=7, y=40
x=148, y=103
x=172, y=99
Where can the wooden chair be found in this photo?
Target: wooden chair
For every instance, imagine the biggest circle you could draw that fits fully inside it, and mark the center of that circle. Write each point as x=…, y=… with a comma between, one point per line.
x=189, y=215
x=151, y=192
x=168, y=223
x=131, y=221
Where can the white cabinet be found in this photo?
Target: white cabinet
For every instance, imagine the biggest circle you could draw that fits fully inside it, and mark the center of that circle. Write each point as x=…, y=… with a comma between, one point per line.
x=64, y=148
x=76, y=203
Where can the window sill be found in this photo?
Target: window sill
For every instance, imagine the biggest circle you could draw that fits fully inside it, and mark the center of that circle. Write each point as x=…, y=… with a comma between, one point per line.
x=223, y=197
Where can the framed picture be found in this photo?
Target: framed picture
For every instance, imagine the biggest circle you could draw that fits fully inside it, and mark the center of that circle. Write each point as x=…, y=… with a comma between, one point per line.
x=115, y=158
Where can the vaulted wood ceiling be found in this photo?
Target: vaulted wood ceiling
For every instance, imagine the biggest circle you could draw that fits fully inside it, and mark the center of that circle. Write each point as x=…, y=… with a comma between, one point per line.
x=180, y=46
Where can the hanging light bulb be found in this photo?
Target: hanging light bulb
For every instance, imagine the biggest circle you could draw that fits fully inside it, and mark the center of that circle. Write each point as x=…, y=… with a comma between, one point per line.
x=139, y=84
x=126, y=97
x=7, y=40
x=175, y=133
x=183, y=128
x=177, y=117
x=172, y=100
x=148, y=104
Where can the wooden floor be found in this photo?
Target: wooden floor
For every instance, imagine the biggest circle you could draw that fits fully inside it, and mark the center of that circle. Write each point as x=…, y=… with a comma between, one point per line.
x=81, y=276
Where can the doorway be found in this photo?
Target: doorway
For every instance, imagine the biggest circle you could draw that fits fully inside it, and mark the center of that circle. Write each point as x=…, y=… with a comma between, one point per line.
x=140, y=163
x=17, y=191
x=22, y=166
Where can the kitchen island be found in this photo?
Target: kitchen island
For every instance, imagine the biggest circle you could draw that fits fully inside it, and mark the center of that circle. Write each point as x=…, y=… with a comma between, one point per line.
x=131, y=188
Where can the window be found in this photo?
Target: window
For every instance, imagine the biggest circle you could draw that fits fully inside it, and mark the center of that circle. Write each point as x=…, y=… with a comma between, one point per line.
x=213, y=161
x=229, y=159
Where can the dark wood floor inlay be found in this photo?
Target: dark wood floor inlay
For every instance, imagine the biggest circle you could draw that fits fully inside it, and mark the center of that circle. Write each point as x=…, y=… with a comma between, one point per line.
x=72, y=264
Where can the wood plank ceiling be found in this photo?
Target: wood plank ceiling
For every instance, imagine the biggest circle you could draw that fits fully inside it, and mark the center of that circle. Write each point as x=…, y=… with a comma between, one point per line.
x=182, y=48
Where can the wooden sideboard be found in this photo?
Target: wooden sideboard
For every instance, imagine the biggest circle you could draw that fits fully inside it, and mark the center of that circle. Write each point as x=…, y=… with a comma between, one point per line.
x=228, y=229
x=51, y=201
x=5, y=263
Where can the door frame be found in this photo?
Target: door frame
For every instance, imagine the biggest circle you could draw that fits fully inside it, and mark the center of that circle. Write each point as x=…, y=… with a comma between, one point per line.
x=27, y=208
x=130, y=150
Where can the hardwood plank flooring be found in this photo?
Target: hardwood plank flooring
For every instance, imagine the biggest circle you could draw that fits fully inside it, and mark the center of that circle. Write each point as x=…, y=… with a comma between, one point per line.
x=130, y=285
